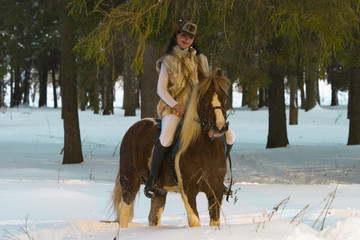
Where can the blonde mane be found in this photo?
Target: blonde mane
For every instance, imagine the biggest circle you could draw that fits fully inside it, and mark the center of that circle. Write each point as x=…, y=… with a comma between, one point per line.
x=191, y=128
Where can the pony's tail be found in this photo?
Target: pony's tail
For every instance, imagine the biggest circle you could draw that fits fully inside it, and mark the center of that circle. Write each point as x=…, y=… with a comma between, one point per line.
x=116, y=198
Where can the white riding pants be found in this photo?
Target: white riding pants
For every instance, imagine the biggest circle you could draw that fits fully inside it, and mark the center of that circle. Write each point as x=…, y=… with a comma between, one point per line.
x=169, y=124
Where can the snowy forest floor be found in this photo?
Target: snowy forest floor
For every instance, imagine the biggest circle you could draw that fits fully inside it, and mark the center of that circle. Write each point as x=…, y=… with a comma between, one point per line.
x=317, y=175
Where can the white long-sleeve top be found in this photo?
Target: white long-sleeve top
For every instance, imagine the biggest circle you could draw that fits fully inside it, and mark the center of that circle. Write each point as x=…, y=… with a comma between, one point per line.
x=162, y=90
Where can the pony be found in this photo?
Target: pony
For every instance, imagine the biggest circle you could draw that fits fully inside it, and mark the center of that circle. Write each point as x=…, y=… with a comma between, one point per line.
x=200, y=162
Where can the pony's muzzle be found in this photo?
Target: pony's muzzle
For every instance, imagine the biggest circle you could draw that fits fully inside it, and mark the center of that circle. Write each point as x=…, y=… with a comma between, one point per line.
x=222, y=126
x=220, y=129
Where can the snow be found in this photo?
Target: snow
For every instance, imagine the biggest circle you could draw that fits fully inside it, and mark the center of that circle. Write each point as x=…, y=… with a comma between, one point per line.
x=279, y=193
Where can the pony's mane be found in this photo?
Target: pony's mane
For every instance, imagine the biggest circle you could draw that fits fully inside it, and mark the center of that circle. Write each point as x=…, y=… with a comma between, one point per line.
x=191, y=128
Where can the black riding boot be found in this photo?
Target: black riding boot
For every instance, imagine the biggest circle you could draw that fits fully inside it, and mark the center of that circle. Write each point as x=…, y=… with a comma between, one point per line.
x=226, y=189
x=158, y=156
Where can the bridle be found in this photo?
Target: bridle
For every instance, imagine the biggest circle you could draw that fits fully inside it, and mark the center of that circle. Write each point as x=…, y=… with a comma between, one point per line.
x=202, y=115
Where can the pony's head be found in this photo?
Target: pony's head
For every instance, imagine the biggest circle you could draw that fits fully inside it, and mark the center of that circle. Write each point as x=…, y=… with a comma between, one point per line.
x=213, y=91
x=207, y=107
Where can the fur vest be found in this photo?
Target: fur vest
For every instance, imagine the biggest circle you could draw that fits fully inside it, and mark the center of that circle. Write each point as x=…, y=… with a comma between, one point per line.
x=183, y=67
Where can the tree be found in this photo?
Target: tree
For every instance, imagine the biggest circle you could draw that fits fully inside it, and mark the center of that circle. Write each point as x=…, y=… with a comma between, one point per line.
x=266, y=34
x=277, y=134
x=337, y=77
x=148, y=83
x=130, y=90
x=108, y=86
x=354, y=96
x=2, y=74
x=43, y=70
x=293, y=108
x=72, y=140
x=311, y=79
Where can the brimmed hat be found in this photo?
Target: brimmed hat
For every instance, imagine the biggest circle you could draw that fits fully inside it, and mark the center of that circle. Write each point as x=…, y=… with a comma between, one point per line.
x=186, y=27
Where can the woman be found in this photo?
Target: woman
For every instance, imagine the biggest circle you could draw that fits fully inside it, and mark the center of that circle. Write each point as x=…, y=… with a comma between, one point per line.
x=178, y=74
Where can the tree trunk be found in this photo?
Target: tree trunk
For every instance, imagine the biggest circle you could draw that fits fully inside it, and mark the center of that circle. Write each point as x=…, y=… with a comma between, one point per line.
x=293, y=114
x=354, y=106
x=72, y=140
x=302, y=91
x=263, y=99
x=11, y=83
x=253, y=88
x=16, y=96
x=148, y=84
x=2, y=95
x=311, y=87
x=334, y=97
x=317, y=90
x=108, y=88
x=53, y=76
x=94, y=96
x=43, y=77
x=137, y=93
x=26, y=86
x=244, y=100
x=253, y=97
x=130, y=91
x=277, y=136
x=82, y=97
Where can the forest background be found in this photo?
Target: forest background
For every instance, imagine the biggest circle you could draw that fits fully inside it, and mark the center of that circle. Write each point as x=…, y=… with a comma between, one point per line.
x=264, y=46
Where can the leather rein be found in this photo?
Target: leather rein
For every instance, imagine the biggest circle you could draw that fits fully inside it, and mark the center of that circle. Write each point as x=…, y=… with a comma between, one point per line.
x=205, y=124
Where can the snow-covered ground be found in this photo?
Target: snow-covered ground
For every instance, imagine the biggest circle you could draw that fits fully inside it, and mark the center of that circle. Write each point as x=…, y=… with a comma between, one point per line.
x=44, y=199
x=282, y=193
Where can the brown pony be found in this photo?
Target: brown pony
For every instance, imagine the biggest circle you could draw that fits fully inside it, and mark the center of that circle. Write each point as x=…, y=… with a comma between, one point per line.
x=200, y=163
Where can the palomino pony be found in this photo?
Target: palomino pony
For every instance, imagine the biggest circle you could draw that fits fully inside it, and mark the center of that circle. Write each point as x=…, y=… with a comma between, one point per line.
x=200, y=162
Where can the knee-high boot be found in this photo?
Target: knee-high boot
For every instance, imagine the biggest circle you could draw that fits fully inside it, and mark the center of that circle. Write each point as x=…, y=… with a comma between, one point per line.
x=158, y=156
x=227, y=190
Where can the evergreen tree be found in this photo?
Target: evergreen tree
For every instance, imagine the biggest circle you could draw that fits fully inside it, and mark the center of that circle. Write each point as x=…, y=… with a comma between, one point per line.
x=271, y=36
x=72, y=141
x=354, y=94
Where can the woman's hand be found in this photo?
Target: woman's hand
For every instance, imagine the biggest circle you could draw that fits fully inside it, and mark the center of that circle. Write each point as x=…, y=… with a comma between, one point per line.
x=180, y=109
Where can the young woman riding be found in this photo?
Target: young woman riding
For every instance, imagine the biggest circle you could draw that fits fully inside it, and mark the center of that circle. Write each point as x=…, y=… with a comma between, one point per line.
x=179, y=69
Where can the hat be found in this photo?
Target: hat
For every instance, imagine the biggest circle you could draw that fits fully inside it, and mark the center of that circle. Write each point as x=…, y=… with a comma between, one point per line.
x=187, y=27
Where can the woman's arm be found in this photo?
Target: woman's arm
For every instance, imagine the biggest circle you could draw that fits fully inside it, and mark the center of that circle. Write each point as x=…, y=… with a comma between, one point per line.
x=163, y=92
x=162, y=87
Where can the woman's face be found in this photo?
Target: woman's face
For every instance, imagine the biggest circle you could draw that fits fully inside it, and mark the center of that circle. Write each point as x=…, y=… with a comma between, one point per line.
x=184, y=40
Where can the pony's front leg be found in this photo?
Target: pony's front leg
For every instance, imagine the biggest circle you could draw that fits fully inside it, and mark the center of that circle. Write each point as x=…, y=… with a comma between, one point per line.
x=189, y=199
x=214, y=201
x=157, y=208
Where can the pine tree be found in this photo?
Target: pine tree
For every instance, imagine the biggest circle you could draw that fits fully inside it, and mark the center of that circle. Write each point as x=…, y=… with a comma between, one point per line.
x=72, y=141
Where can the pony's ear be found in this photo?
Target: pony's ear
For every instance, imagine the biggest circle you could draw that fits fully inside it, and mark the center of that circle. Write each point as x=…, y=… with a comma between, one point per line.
x=218, y=72
x=201, y=75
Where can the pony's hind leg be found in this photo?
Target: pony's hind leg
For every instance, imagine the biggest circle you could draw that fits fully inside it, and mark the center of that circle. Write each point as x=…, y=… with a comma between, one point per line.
x=125, y=213
x=157, y=208
x=126, y=206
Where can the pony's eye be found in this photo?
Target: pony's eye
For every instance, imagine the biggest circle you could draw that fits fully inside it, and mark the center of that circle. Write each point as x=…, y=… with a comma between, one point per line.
x=205, y=100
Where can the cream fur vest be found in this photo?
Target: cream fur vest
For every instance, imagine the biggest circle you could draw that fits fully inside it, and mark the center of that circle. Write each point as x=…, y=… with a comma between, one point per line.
x=183, y=67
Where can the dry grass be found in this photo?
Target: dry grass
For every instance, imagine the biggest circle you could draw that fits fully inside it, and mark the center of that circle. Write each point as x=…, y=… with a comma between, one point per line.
x=23, y=230
x=266, y=217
